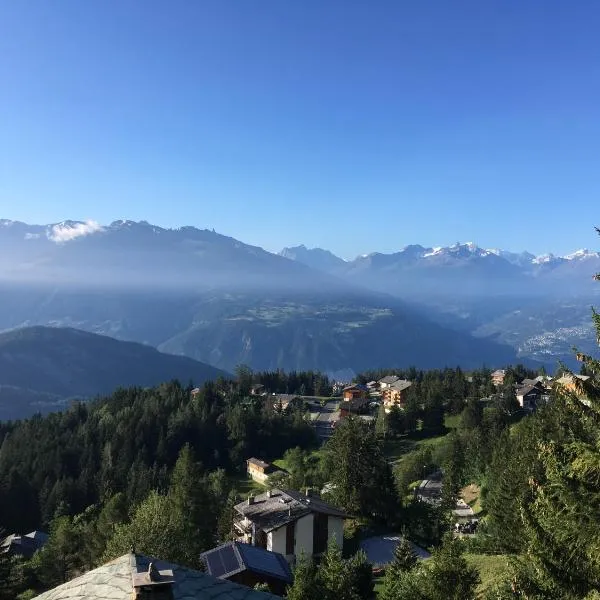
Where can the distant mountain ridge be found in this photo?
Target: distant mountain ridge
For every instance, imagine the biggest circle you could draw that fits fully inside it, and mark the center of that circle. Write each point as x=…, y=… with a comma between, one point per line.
x=460, y=250
x=41, y=368
x=197, y=293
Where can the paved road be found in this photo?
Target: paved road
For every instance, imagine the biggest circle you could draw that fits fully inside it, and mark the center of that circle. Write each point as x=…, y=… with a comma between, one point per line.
x=324, y=418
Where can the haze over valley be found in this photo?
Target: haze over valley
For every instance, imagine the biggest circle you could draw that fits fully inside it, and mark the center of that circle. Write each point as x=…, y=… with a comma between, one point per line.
x=215, y=299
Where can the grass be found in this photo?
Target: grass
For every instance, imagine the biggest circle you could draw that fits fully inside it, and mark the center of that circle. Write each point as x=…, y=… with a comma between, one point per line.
x=244, y=486
x=492, y=569
x=452, y=421
x=471, y=494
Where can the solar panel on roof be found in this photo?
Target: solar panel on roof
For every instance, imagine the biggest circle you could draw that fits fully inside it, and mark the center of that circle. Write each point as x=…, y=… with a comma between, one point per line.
x=214, y=563
x=229, y=558
x=258, y=559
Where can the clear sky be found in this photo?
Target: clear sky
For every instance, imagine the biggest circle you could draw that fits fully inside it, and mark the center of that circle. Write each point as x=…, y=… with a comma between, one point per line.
x=354, y=126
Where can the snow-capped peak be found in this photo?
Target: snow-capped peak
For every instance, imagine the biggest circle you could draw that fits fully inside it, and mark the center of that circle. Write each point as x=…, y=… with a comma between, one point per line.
x=543, y=259
x=434, y=251
x=581, y=254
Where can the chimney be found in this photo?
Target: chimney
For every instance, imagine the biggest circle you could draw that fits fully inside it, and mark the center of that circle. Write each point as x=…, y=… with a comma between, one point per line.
x=250, y=500
x=269, y=493
x=289, y=511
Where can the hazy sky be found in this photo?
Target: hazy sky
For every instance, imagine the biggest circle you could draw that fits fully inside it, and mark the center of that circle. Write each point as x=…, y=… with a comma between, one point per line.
x=355, y=126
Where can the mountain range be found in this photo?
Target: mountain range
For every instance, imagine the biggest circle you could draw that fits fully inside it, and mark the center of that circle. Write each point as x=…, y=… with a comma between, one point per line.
x=210, y=297
x=418, y=270
x=539, y=305
x=215, y=299
x=43, y=368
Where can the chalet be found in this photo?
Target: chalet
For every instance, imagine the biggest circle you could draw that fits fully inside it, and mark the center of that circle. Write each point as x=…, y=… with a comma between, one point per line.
x=353, y=392
x=258, y=389
x=358, y=406
x=288, y=522
x=23, y=545
x=387, y=381
x=395, y=393
x=572, y=382
x=138, y=577
x=249, y=565
x=528, y=396
x=259, y=470
x=498, y=377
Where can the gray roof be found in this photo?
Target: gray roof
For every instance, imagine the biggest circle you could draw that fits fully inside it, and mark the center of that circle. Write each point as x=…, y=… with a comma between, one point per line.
x=389, y=379
x=527, y=389
x=283, y=507
x=114, y=581
x=401, y=385
x=380, y=549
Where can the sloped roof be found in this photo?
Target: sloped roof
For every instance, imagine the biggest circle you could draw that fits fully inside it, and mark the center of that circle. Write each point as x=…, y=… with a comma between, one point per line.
x=389, y=379
x=566, y=379
x=526, y=389
x=114, y=581
x=283, y=507
x=401, y=385
x=380, y=549
x=357, y=386
x=234, y=557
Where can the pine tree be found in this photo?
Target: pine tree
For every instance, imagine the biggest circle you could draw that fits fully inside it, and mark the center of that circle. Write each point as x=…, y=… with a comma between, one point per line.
x=562, y=509
x=193, y=504
x=305, y=586
x=333, y=577
x=404, y=561
x=450, y=576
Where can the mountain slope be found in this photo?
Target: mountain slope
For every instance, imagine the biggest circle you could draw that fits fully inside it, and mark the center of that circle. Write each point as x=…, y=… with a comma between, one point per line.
x=42, y=367
x=213, y=298
x=316, y=258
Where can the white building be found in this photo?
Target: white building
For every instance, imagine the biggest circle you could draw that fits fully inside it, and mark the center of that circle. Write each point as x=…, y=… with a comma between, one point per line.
x=289, y=522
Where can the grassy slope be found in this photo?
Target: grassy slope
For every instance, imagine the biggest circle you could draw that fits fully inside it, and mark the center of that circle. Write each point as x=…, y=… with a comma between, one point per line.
x=492, y=569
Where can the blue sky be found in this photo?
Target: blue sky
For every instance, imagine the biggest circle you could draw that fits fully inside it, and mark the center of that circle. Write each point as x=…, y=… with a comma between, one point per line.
x=354, y=126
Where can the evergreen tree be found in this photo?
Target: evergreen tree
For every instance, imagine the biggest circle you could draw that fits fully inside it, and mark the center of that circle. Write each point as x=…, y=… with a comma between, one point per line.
x=155, y=529
x=333, y=576
x=305, y=586
x=59, y=560
x=404, y=561
x=453, y=466
x=561, y=510
x=193, y=504
x=450, y=576
x=381, y=425
x=362, y=477
x=360, y=574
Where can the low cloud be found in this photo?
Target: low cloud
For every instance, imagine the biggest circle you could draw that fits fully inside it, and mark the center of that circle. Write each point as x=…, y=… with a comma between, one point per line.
x=64, y=232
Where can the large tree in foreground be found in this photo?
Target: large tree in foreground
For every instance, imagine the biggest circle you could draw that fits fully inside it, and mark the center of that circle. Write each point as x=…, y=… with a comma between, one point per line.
x=561, y=512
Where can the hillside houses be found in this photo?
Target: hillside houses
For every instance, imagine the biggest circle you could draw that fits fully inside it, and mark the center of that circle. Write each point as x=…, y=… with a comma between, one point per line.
x=259, y=470
x=395, y=393
x=355, y=392
x=498, y=377
x=288, y=522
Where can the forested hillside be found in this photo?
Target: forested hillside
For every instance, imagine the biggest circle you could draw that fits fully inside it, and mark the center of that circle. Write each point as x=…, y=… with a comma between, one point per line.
x=43, y=368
